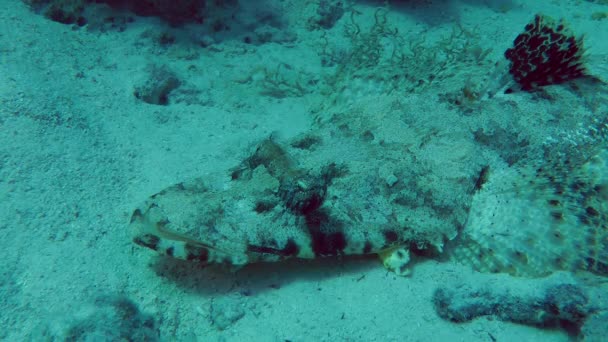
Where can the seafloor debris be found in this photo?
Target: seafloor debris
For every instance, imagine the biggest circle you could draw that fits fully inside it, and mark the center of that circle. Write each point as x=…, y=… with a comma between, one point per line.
x=224, y=312
x=555, y=301
x=160, y=83
x=109, y=318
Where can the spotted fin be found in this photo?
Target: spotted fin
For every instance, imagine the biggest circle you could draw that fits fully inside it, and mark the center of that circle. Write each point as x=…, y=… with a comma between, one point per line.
x=534, y=221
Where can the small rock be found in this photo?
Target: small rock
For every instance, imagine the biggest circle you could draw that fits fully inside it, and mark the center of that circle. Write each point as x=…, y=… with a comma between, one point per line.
x=161, y=82
x=109, y=318
x=224, y=312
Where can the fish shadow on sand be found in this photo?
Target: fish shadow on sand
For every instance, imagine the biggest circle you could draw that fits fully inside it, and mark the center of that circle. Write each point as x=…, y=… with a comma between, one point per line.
x=260, y=277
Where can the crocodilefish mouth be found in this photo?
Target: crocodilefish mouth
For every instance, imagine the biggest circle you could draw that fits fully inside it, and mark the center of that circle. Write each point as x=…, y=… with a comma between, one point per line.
x=156, y=236
x=151, y=229
x=244, y=223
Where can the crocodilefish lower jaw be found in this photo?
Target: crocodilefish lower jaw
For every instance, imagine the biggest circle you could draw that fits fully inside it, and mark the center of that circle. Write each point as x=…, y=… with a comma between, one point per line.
x=151, y=231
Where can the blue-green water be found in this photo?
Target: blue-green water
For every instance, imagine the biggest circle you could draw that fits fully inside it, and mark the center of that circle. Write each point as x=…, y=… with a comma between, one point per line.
x=231, y=170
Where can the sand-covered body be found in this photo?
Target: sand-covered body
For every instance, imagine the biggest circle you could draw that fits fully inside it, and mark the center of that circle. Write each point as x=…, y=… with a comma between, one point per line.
x=351, y=187
x=383, y=183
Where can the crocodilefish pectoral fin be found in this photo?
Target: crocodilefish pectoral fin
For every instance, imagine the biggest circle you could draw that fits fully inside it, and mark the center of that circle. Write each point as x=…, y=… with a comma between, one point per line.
x=538, y=219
